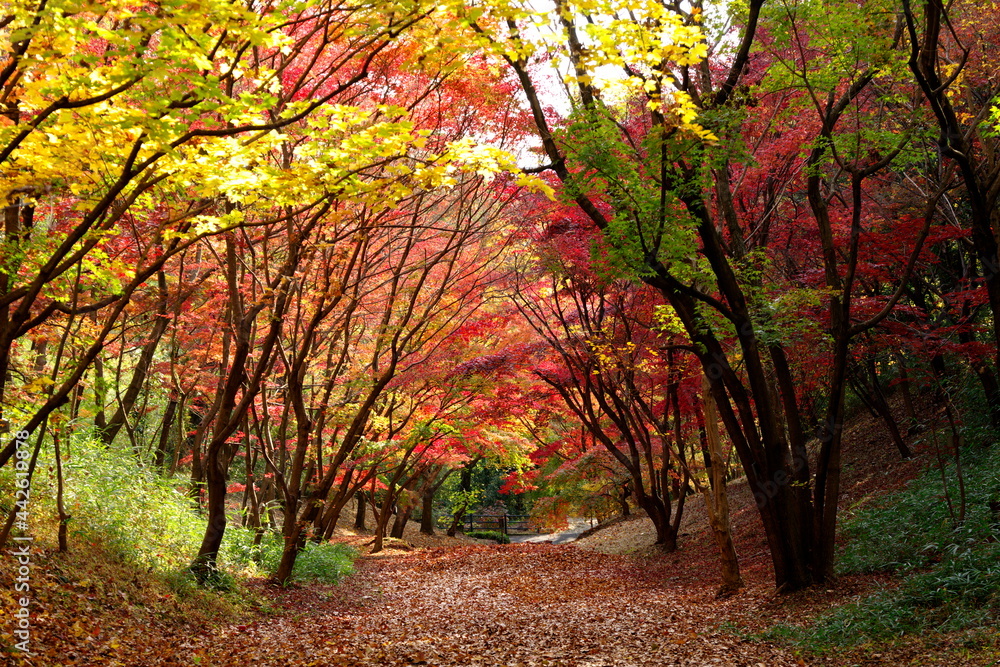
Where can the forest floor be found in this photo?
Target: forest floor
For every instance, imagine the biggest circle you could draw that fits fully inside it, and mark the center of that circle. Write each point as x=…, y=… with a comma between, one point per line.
x=610, y=599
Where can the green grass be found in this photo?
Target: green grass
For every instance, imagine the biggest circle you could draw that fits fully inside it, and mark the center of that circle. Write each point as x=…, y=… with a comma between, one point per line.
x=950, y=572
x=325, y=563
x=145, y=520
x=495, y=535
x=321, y=562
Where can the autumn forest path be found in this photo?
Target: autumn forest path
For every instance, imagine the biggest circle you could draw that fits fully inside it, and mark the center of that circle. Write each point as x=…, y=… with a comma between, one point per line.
x=572, y=531
x=490, y=605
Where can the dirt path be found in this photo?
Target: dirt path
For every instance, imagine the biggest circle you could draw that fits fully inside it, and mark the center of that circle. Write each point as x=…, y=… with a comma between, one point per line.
x=483, y=605
x=575, y=528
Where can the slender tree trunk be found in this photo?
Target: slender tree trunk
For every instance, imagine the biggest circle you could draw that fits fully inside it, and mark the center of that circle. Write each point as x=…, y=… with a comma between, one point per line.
x=197, y=466
x=160, y=457
x=64, y=517
x=456, y=520
x=906, y=388
x=626, y=511
x=331, y=520
x=359, y=515
x=383, y=518
x=717, y=498
x=141, y=371
x=253, y=504
x=885, y=412
x=878, y=407
x=349, y=485
x=100, y=418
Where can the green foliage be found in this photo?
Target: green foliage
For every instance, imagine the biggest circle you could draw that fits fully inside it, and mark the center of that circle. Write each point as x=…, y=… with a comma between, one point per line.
x=241, y=552
x=951, y=574
x=495, y=535
x=145, y=520
x=463, y=501
x=644, y=189
x=318, y=561
x=324, y=562
x=913, y=529
x=129, y=508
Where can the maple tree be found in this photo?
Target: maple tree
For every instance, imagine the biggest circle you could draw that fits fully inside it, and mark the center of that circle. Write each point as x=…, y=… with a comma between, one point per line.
x=671, y=193
x=608, y=370
x=273, y=177
x=287, y=249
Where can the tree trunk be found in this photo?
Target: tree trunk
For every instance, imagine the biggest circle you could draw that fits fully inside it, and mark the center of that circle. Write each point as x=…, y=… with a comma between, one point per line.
x=905, y=386
x=100, y=418
x=399, y=525
x=64, y=517
x=197, y=467
x=623, y=500
x=204, y=565
x=717, y=498
x=294, y=540
x=878, y=406
x=359, y=516
x=128, y=401
x=427, y=512
x=456, y=521
x=383, y=518
x=160, y=457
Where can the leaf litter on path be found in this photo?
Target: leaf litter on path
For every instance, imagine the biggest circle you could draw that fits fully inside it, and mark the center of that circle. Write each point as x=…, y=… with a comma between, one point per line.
x=518, y=605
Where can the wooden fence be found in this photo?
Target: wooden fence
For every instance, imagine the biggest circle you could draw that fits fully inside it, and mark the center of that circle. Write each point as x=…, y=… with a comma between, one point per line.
x=503, y=523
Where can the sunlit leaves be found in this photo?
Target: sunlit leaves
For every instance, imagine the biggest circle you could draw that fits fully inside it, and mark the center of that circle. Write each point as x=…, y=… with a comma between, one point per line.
x=597, y=44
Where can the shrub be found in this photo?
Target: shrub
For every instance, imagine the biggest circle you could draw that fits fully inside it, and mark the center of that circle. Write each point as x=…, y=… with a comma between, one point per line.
x=495, y=535
x=144, y=520
x=129, y=508
x=324, y=562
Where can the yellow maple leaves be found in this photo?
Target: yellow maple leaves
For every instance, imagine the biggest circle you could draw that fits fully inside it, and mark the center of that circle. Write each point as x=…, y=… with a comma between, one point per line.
x=620, y=52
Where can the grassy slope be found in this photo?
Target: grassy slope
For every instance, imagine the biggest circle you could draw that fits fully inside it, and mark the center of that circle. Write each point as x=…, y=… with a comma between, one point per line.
x=872, y=469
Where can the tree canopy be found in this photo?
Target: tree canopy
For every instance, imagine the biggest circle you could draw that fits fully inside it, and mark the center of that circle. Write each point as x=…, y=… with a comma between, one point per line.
x=294, y=254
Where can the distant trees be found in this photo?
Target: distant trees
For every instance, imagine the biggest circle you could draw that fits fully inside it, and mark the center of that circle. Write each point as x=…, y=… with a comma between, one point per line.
x=608, y=363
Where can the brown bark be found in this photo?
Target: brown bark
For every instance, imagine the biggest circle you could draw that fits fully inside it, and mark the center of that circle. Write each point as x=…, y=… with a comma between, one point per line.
x=238, y=383
x=871, y=395
x=456, y=521
x=163, y=444
x=427, y=512
x=127, y=402
x=359, y=515
x=717, y=497
x=63, y=516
